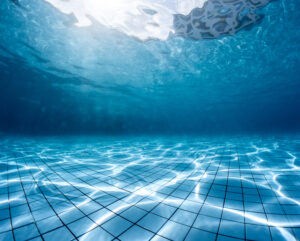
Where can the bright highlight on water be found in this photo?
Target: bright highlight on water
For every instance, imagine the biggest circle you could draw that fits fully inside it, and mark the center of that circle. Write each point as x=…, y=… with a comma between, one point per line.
x=158, y=19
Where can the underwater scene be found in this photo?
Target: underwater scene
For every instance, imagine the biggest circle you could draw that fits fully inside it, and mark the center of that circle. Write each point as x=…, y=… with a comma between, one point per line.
x=149, y=120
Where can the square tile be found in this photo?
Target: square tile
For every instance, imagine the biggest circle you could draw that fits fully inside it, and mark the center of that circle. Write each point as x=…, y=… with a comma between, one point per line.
x=183, y=217
x=152, y=222
x=59, y=234
x=26, y=232
x=174, y=231
x=196, y=235
x=81, y=226
x=206, y=223
x=116, y=225
x=96, y=234
x=233, y=229
x=136, y=233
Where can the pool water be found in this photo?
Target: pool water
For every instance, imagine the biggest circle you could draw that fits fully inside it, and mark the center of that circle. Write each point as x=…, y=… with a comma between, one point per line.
x=149, y=120
x=146, y=188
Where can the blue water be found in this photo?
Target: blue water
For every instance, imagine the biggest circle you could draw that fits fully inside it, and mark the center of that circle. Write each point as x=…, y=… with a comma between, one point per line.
x=59, y=78
x=149, y=120
x=146, y=188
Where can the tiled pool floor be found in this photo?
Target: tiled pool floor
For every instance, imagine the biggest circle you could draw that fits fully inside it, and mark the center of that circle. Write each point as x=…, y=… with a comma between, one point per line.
x=149, y=188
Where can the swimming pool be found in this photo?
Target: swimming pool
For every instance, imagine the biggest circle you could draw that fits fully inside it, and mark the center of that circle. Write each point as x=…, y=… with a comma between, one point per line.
x=149, y=120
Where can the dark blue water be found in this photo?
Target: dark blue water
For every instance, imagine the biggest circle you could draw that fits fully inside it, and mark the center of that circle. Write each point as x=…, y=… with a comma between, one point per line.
x=60, y=78
x=149, y=120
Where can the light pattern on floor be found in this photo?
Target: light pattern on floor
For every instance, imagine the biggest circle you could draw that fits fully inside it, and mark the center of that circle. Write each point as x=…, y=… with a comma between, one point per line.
x=149, y=188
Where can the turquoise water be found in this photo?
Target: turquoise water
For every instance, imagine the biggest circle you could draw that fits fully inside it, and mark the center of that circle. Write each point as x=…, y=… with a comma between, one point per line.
x=57, y=77
x=149, y=120
x=242, y=188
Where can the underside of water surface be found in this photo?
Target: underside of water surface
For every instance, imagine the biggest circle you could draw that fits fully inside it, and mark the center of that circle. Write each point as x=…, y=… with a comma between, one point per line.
x=149, y=120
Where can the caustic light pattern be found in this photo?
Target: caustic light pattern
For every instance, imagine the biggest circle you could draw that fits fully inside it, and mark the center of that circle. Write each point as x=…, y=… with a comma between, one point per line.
x=150, y=189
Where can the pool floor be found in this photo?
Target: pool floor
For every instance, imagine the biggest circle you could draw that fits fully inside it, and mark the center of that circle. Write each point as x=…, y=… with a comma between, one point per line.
x=149, y=188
